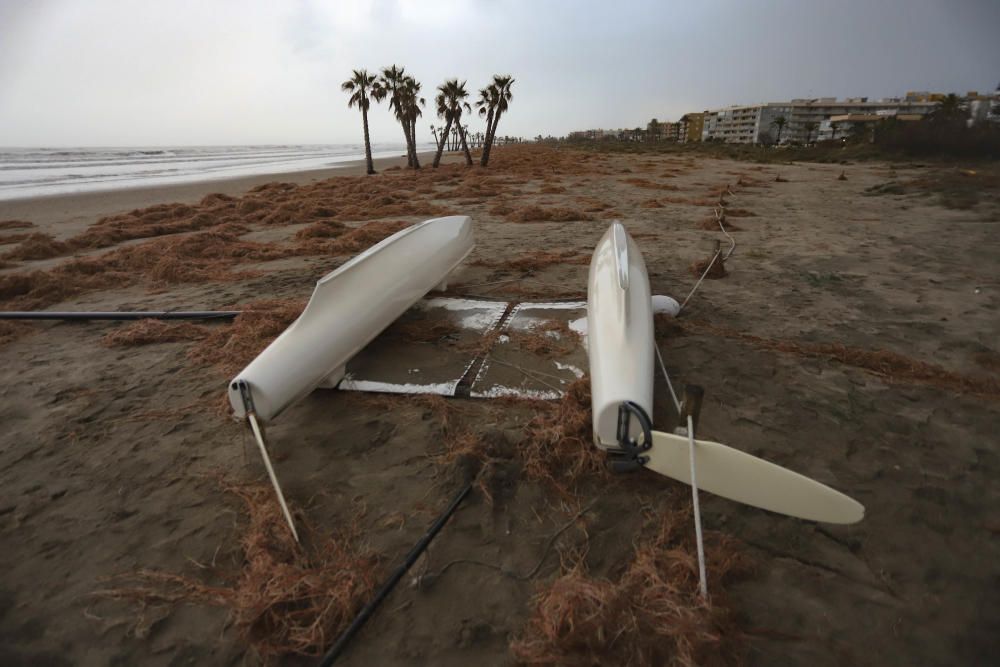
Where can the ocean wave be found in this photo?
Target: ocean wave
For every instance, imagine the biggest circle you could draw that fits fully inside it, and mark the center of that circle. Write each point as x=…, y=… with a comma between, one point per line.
x=28, y=172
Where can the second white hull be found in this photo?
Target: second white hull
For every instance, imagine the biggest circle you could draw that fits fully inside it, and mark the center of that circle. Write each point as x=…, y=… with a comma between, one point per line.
x=619, y=333
x=348, y=308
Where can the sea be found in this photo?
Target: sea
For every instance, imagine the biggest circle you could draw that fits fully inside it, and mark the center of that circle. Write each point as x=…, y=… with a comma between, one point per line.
x=35, y=172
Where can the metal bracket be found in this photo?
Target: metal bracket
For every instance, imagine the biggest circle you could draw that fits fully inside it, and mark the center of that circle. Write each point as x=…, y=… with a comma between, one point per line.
x=631, y=448
x=246, y=396
x=691, y=403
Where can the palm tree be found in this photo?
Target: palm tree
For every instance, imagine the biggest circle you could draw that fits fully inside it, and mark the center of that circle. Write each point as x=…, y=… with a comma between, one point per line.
x=498, y=100
x=404, y=101
x=443, y=104
x=833, y=130
x=810, y=127
x=486, y=105
x=389, y=85
x=450, y=101
x=779, y=123
x=411, y=103
x=362, y=85
x=949, y=107
x=653, y=129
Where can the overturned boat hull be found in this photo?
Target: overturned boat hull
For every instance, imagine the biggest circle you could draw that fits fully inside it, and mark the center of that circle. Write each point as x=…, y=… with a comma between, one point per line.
x=620, y=346
x=349, y=307
x=619, y=332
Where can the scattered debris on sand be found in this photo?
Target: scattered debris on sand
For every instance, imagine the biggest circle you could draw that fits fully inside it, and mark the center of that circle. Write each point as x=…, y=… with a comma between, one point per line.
x=648, y=613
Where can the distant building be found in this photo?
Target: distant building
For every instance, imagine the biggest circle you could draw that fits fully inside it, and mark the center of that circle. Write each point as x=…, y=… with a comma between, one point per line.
x=806, y=120
x=589, y=134
x=994, y=112
x=744, y=124
x=690, y=126
x=820, y=111
x=982, y=108
x=923, y=96
x=844, y=125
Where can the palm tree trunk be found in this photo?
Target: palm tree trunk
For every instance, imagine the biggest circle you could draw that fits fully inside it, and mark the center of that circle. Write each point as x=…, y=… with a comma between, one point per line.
x=465, y=146
x=406, y=136
x=444, y=138
x=486, y=138
x=490, y=138
x=368, y=143
x=413, y=143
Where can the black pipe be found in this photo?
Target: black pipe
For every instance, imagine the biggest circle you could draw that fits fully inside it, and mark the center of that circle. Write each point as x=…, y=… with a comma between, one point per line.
x=116, y=315
x=387, y=587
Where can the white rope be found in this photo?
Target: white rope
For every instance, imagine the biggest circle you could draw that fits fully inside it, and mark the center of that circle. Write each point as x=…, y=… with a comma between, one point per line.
x=720, y=213
x=732, y=242
x=702, y=578
x=670, y=385
x=698, y=284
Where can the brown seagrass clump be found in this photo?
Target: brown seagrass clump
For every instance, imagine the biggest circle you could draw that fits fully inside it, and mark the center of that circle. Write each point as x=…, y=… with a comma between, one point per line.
x=233, y=346
x=284, y=598
x=147, y=332
x=558, y=447
x=648, y=612
x=36, y=246
x=718, y=268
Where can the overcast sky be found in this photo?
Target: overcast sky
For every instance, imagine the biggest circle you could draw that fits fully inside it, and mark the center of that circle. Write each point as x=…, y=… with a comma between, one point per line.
x=177, y=72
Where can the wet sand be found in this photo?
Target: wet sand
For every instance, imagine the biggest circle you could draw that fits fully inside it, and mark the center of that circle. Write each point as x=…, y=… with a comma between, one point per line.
x=110, y=456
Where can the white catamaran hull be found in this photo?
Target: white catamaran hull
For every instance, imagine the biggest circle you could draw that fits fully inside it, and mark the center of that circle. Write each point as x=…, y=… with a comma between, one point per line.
x=619, y=332
x=620, y=345
x=349, y=307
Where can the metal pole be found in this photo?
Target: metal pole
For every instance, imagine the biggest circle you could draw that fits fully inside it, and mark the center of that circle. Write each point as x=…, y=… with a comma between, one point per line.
x=259, y=437
x=693, y=396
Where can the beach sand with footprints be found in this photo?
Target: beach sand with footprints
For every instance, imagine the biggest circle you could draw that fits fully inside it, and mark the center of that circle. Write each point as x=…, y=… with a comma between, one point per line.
x=852, y=337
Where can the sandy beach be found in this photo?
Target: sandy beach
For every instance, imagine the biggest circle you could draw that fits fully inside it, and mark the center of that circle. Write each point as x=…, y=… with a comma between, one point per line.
x=67, y=214
x=853, y=339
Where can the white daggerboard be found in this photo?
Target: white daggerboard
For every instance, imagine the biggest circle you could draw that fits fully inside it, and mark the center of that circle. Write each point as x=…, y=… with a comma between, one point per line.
x=739, y=476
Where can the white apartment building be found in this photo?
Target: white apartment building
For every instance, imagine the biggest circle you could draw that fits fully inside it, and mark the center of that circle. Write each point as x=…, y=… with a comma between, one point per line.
x=805, y=119
x=736, y=124
x=746, y=124
x=818, y=112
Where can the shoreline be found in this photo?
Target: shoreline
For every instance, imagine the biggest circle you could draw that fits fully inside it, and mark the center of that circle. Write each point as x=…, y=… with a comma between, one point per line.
x=69, y=213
